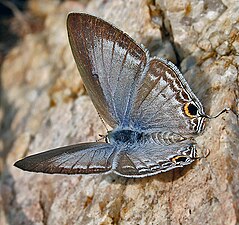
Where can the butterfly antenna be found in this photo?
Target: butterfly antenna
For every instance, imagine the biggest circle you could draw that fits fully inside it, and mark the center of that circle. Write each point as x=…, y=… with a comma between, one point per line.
x=217, y=115
x=103, y=122
x=102, y=136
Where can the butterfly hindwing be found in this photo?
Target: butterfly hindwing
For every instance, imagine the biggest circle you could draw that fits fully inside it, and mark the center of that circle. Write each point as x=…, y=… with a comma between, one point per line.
x=150, y=159
x=165, y=102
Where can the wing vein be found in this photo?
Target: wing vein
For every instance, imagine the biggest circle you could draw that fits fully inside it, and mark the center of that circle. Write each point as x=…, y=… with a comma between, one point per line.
x=120, y=72
x=146, y=107
x=161, y=107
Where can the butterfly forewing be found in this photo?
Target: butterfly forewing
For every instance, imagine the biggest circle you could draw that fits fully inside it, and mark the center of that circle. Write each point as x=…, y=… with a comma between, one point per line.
x=111, y=65
x=81, y=158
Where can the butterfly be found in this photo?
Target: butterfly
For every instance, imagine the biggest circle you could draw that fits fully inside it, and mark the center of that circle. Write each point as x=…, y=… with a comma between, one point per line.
x=148, y=103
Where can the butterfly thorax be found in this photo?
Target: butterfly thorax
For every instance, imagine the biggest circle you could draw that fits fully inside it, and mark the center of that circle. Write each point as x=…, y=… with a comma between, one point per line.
x=123, y=136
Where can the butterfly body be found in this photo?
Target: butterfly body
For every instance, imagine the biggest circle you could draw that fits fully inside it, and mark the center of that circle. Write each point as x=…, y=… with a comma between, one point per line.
x=123, y=136
x=148, y=103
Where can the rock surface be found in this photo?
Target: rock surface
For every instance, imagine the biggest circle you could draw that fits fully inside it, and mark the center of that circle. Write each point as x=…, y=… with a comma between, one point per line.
x=45, y=106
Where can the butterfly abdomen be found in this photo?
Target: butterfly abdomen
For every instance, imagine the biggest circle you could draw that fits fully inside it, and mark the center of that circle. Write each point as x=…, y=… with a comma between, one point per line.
x=163, y=138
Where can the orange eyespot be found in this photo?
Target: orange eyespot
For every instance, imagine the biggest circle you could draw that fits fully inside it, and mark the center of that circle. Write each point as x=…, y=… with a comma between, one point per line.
x=179, y=158
x=190, y=110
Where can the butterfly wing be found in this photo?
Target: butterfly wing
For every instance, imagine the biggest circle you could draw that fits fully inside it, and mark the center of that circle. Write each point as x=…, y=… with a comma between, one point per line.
x=85, y=158
x=111, y=65
x=150, y=159
x=165, y=102
x=125, y=89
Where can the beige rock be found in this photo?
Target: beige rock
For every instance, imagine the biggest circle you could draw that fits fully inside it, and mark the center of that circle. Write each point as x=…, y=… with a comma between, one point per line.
x=45, y=106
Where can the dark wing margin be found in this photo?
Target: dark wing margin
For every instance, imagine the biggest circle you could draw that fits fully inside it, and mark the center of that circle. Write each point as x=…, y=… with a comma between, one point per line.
x=85, y=158
x=110, y=63
x=151, y=159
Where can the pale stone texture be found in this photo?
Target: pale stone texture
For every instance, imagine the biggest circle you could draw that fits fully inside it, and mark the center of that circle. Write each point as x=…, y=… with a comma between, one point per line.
x=45, y=105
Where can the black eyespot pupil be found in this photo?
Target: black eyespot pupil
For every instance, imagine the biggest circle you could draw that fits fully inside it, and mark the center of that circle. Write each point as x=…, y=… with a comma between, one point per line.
x=192, y=109
x=95, y=75
x=181, y=159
